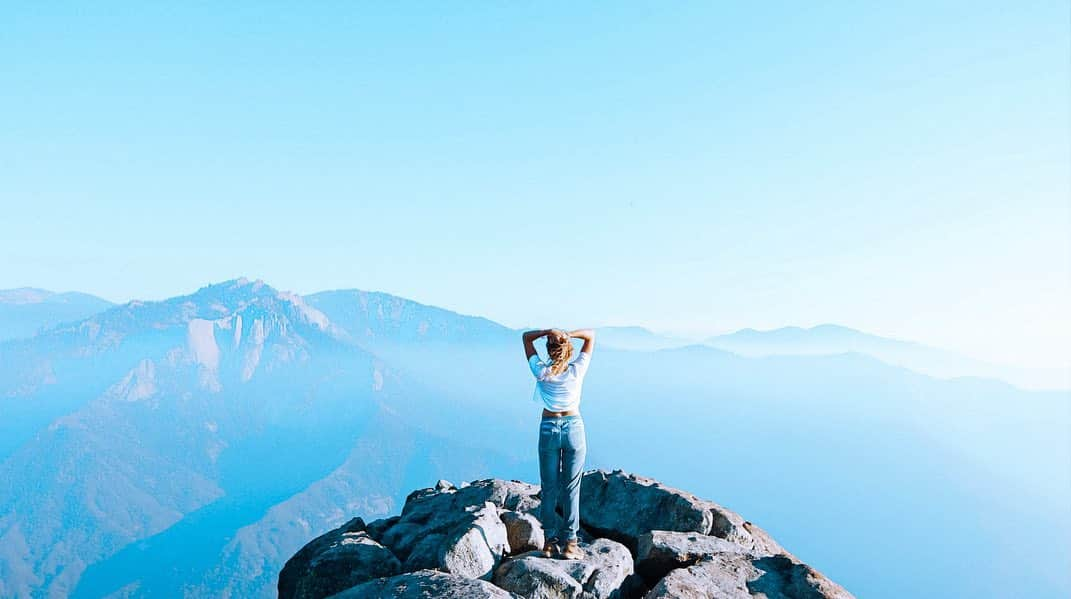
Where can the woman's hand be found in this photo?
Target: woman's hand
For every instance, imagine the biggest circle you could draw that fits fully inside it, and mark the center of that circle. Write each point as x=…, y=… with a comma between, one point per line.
x=528, y=337
x=588, y=335
x=535, y=334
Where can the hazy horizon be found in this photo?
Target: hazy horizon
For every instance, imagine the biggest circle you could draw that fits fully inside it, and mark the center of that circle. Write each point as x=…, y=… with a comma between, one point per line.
x=684, y=333
x=819, y=339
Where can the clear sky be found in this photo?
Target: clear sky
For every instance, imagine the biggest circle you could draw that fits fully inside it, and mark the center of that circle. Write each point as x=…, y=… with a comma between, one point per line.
x=901, y=168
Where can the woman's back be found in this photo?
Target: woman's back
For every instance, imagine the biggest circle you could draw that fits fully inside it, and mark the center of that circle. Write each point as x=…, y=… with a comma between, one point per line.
x=559, y=392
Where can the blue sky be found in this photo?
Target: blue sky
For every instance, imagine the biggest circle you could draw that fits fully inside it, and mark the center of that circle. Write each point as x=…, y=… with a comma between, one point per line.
x=901, y=168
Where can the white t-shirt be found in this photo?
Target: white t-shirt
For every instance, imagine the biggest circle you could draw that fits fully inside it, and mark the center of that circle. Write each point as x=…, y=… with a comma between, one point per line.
x=562, y=392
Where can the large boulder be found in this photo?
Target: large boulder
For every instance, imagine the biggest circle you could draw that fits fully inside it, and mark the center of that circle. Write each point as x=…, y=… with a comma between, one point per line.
x=658, y=552
x=732, y=527
x=474, y=548
x=740, y=576
x=442, y=509
x=524, y=531
x=425, y=584
x=335, y=561
x=376, y=528
x=624, y=506
x=425, y=554
x=599, y=575
x=468, y=540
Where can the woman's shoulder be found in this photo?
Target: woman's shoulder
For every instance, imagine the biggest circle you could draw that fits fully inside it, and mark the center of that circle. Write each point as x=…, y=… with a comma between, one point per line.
x=580, y=364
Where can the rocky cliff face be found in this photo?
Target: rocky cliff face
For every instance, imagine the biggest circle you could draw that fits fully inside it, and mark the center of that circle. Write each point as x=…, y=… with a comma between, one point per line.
x=641, y=539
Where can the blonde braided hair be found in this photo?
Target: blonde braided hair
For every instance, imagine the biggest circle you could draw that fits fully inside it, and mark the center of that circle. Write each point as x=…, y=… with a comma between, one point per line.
x=560, y=350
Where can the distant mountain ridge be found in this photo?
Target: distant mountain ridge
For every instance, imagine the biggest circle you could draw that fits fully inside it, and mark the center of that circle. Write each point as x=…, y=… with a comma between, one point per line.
x=819, y=339
x=27, y=310
x=637, y=338
x=830, y=339
x=372, y=317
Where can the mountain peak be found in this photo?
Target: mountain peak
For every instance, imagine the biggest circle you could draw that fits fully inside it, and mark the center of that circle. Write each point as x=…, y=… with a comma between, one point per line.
x=790, y=332
x=835, y=327
x=370, y=316
x=226, y=304
x=627, y=329
x=235, y=288
x=28, y=310
x=34, y=295
x=24, y=295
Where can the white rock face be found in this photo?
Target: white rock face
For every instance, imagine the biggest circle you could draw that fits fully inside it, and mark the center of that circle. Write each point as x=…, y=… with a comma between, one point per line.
x=201, y=339
x=237, y=330
x=139, y=384
x=258, y=334
x=310, y=314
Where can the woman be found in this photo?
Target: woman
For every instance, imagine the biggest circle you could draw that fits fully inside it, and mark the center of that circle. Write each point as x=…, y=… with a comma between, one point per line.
x=562, y=445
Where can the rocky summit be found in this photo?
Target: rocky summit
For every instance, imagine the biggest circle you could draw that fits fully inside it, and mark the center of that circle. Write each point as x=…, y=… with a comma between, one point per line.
x=641, y=539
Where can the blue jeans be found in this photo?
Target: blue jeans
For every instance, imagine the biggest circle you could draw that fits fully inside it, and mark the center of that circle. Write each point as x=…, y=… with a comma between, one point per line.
x=562, y=448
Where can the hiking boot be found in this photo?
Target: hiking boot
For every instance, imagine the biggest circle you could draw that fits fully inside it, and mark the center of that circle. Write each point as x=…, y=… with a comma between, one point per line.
x=572, y=550
x=550, y=547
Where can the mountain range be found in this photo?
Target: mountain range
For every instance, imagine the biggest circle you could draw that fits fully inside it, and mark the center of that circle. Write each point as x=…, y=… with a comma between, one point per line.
x=27, y=310
x=189, y=446
x=831, y=339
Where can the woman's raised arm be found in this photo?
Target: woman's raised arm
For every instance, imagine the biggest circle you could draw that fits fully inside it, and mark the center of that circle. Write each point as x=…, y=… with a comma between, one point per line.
x=588, y=335
x=528, y=337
